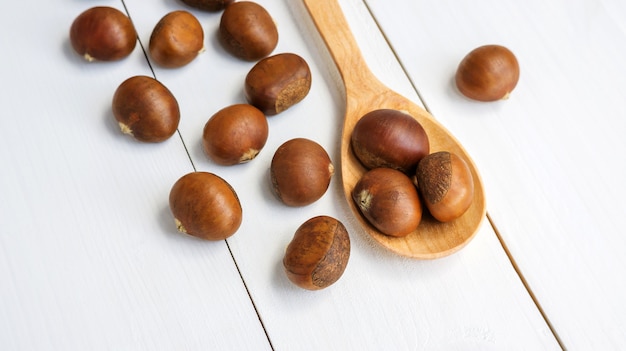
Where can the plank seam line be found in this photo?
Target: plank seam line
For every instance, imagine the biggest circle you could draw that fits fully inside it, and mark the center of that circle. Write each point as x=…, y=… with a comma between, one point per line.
x=491, y=223
x=395, y=55
x=145, y=54
x=525, y=283
x=269, y=340
x=232, y=256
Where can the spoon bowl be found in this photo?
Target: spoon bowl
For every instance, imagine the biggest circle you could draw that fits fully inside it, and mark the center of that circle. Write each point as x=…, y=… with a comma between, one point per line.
x=365, y=93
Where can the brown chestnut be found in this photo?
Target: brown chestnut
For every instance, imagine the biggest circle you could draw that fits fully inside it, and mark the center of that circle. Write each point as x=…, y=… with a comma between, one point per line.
x=247, y=31
x=206, y=206
x=146, y=109
x=389, y=201
x=235, y=134
x=300, y=172
x=278, y=82
x=103, y=33
x=446, y=184
x=176, y=40
x=318, y=254
x=488, y=73
x=208, y=5
x=389, y=138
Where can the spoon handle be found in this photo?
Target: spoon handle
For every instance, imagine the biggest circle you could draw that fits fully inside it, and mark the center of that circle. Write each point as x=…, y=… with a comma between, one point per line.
x=334, y=29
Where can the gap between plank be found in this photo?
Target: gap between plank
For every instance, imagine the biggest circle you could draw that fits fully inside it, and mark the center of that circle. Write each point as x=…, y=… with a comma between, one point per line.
x=491, y=223
x=232, y=256
x=145, y=54
x=250, y=296
x=525, y=282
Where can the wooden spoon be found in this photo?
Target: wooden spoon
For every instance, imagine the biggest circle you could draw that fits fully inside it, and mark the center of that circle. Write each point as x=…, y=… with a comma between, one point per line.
x=364, y=93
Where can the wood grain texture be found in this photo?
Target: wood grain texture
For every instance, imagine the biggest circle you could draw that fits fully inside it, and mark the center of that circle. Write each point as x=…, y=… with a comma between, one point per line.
x=472, y=299
x=365, y=93
x=548, y=154
x=89, y=255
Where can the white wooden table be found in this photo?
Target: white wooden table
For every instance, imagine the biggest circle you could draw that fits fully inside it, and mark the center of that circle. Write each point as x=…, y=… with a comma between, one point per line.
x=90, y=258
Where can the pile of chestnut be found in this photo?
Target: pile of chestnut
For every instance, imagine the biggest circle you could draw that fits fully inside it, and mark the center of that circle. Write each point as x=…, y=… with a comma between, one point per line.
x=393, y=146
x=203, y=204
x=402, y=173
x=395, y=149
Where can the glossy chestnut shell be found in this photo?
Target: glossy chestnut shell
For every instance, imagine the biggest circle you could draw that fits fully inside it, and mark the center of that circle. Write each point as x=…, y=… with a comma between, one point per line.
x=446, y=184
x=488, y=73
x=103, y=33
x=145, y=109
x=389, y=138
x=278, y=82
x=389, y=201
x=318, y=254
x=247, y=31
x=300, y=172
x=208, y=5
x=176, y=39
x=235, y=134
x=205, y=206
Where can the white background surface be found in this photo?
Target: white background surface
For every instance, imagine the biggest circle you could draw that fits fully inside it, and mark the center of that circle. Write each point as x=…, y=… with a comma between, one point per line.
x=90, y=257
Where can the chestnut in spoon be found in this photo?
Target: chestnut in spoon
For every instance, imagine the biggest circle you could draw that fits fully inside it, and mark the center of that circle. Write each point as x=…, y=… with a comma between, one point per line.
x=365, y=93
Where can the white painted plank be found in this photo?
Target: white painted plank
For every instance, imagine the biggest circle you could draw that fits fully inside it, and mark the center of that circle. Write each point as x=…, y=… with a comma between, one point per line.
x=550, y=155
x=473, y=299
x=89, y=256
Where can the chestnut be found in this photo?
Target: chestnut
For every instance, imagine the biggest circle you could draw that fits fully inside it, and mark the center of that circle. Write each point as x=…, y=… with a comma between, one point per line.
x=145, y=109
x=446, y=184
x=389, y=138
x=247, y=31
x=176, y=39
x=488, y=73
x=278, y=82
x=300, y=172
x=205, y=206
x=318, y=254
x=208, y=5
x=103, y=33
x=389, y=201
x=235, y=134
